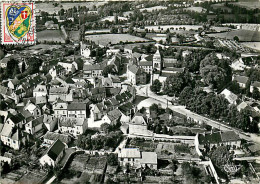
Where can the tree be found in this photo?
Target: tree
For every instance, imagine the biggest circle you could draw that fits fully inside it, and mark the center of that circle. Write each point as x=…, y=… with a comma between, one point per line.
x=112, y=159
x=23, y=67
x=236, y=38
x=105, y=127
x=256, y=93
x=109, y=69
x=154, y=107
x=156, y=86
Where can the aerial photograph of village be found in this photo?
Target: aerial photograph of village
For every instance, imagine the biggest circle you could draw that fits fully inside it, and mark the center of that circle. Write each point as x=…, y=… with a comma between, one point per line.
x=133, y=92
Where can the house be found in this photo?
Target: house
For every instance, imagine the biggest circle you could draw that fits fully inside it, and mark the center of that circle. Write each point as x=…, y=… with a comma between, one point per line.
x=13, y=84
x=51, y=137
x=241, y=80
x=57, y=71
x=61, y=93
x=60, y=109
x=77, y=110
x=138, y=125
x=147, y=64
x=35, y=110
x=69, y=67
x=111, y=52
x=231, y=97
x=50, y=122
x=34, y=126
x=85, y=50
x=97, y=111
x=50, y=25
x=238, y=65
x=40, y=90
x=219, y=138
x=116, y=62
x=256, y=85
x=135, y=158
x=72, y=126
x=10, y=136
x=136, y=75
x=95, y=70
x=97, y=94
x=53, y=154
x=116, y=82
x=17, y=120
x=112, y=117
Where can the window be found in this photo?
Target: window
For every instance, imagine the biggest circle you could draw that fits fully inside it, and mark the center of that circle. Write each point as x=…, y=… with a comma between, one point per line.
x=14, y=142
x=129, y=159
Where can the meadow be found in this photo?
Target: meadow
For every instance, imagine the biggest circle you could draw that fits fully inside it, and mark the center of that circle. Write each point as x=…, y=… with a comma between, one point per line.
x=105, y=39
x=50, y=35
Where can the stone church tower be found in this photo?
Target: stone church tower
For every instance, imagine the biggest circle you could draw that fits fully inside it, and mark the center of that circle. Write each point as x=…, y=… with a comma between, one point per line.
x=157, y=61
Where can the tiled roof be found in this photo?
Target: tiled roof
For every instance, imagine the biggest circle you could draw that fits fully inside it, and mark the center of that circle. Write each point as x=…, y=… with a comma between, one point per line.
x=77, y=106
x=256, y=84
x=241, y=79
x=55, y=149
x=114, y=114
x=55, y=136
x=59, y=90
x=71, y=122
x=133, y=68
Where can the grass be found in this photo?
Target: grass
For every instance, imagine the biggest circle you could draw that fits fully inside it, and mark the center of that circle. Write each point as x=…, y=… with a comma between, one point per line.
x=138, y=99
x=105, y=39
x=243, y=35
x=74, y=35
x=50, y=36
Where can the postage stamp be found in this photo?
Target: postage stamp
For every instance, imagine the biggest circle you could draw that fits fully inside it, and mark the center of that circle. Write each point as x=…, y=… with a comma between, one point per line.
x=18, y=23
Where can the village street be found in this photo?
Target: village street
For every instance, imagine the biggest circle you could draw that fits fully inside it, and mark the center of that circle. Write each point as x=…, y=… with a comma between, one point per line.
x=153, y=98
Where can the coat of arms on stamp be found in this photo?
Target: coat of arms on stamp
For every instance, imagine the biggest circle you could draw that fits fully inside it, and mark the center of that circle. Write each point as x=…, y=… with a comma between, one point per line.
x=18, y=23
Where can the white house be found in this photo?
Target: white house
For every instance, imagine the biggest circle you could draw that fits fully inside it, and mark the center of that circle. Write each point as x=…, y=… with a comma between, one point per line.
x=135, y=158
x=51, y=137
x=33, y=109
x=69, y=67
x=77, y=110
x=231, y=97
x=112, y=117
x=40, y=90
x=54, y=154
x=34, y=125
x=60, y=109
x=85, y=50
x=72, y=126
x=10, y=136
x=50, y=122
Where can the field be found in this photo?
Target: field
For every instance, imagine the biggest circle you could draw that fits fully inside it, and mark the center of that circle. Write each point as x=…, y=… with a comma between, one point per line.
x=251, y=5
x=221, y=6
x=252, y=45
x=50, y=8
x=50, y=35
x=153, y=8
x=196, y=9
x=243, y=35
x=105, y=39
x=74, y=35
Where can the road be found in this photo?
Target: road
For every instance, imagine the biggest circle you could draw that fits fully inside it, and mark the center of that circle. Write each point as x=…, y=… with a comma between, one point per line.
x=153, y=98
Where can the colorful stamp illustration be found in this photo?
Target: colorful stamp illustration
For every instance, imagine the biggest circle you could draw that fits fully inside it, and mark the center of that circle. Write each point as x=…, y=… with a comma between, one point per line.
x=18, y=23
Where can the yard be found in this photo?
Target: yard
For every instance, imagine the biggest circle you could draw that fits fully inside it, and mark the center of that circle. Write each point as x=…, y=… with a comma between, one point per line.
x=142, y=144
x=50, y=36
x=74, y=35
x=105, y=39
